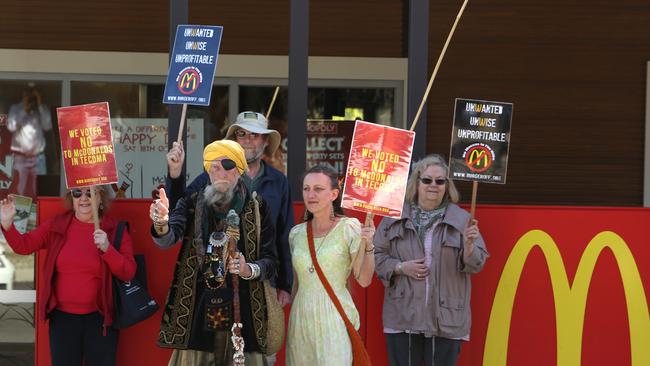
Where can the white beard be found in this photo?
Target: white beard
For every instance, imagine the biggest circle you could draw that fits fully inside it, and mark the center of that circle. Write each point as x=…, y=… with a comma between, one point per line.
x=219, y=193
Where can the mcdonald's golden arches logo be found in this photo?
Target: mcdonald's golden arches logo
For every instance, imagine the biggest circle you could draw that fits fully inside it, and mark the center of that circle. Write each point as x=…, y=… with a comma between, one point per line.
x=478, y=157
x=189, y=80
x=570, y=300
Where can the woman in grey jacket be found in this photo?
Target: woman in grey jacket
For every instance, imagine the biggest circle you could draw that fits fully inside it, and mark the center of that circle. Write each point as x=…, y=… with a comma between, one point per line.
x=425, y=260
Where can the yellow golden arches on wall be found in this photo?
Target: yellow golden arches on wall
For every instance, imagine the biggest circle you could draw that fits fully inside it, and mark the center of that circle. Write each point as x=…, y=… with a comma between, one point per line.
x=570, y=300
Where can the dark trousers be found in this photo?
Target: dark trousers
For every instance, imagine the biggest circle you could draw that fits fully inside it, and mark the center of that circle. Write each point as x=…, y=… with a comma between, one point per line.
x=77, y=340
x=406, y=349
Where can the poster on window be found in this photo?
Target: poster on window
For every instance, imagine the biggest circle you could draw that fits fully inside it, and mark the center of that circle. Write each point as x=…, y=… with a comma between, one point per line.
x=378, y=168
x=328, y=142
x=87, y=145
x=193, y=64
x=480, y=141
x=140, y=148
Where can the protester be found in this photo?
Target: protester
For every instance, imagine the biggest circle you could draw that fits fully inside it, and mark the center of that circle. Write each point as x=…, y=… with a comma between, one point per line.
x=198, y=316
x=251, y=131
x=425, y=260
x=80, y=262
x=317, y=334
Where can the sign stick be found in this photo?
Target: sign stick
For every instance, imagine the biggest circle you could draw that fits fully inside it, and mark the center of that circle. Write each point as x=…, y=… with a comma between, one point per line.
x=433, y=77
x=275, y=95
x=435, y=70
x=473, y=207
x=94, y=206
x=182, y=126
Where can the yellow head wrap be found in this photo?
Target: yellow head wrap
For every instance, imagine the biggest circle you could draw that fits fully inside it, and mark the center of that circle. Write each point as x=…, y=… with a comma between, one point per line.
x=225, y=148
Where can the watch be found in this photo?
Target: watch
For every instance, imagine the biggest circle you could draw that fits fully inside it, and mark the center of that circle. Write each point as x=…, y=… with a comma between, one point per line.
x=398, y=268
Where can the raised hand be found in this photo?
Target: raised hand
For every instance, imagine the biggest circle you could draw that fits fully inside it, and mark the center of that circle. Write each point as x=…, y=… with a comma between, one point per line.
x=7, y=211
x=368, y=233
x=175, y=158
x=159, y=209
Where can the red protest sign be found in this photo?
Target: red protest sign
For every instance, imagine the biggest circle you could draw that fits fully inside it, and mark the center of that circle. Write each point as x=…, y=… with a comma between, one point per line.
x=87, y=145
x=378, y=169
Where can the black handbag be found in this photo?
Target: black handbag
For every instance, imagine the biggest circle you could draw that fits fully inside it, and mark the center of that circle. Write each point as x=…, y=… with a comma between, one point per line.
x=131, y=301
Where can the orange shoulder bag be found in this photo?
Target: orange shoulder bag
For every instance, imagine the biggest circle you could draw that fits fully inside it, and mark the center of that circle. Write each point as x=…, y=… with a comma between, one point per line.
x=360, y=355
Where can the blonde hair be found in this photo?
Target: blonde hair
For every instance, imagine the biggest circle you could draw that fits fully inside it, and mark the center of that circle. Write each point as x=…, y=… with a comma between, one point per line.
x=418, y=168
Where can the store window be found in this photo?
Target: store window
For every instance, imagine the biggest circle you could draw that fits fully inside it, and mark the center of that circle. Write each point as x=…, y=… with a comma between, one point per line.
x=29, y=167
x=139, y=122
x=331, y=113
x=29, y=137
x=29, y=163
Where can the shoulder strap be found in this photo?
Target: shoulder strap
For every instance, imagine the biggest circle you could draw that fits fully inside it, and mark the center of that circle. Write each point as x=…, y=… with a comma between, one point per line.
x=360, y=355
x=118, y=234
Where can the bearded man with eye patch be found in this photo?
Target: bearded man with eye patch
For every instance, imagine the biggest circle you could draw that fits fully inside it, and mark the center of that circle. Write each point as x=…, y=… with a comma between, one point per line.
x=251, y=131
x=199, y=313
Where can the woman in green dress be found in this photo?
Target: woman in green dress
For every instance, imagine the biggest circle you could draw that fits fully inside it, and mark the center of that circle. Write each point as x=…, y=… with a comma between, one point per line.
x=317, y=334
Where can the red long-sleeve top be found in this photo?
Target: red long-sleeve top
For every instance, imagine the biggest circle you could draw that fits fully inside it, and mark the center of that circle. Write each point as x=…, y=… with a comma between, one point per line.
x=59, y=232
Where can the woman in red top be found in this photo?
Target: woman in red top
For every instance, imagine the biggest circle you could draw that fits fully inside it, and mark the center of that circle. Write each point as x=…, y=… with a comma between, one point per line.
x=77, y=296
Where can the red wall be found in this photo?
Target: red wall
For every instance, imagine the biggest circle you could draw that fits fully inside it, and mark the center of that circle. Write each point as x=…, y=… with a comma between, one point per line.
x=532, y=341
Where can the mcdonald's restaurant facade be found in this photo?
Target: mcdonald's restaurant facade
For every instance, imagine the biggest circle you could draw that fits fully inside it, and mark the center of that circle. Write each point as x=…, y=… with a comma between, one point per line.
x=569, y=271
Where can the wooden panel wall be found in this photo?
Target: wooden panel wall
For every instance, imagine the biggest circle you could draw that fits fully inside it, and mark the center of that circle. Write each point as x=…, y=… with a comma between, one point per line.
x=371, y=28
x=89, y=25
x=576, y=73
x=356, y=28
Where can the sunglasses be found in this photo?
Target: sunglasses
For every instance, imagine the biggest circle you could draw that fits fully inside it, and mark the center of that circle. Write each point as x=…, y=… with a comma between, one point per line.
x=439, y=182
x=241, y=134
x=76, y=193
x=226, y=164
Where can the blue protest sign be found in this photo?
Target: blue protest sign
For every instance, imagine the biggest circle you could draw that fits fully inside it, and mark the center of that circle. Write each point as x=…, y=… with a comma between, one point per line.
x=192, y=65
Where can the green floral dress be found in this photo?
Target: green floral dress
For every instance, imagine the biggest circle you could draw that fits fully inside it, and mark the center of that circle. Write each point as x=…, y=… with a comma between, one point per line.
x=317, y=334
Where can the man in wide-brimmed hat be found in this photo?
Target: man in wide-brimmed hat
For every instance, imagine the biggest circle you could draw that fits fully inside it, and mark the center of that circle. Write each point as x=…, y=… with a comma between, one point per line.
x=251, y=131
x=253, y=126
